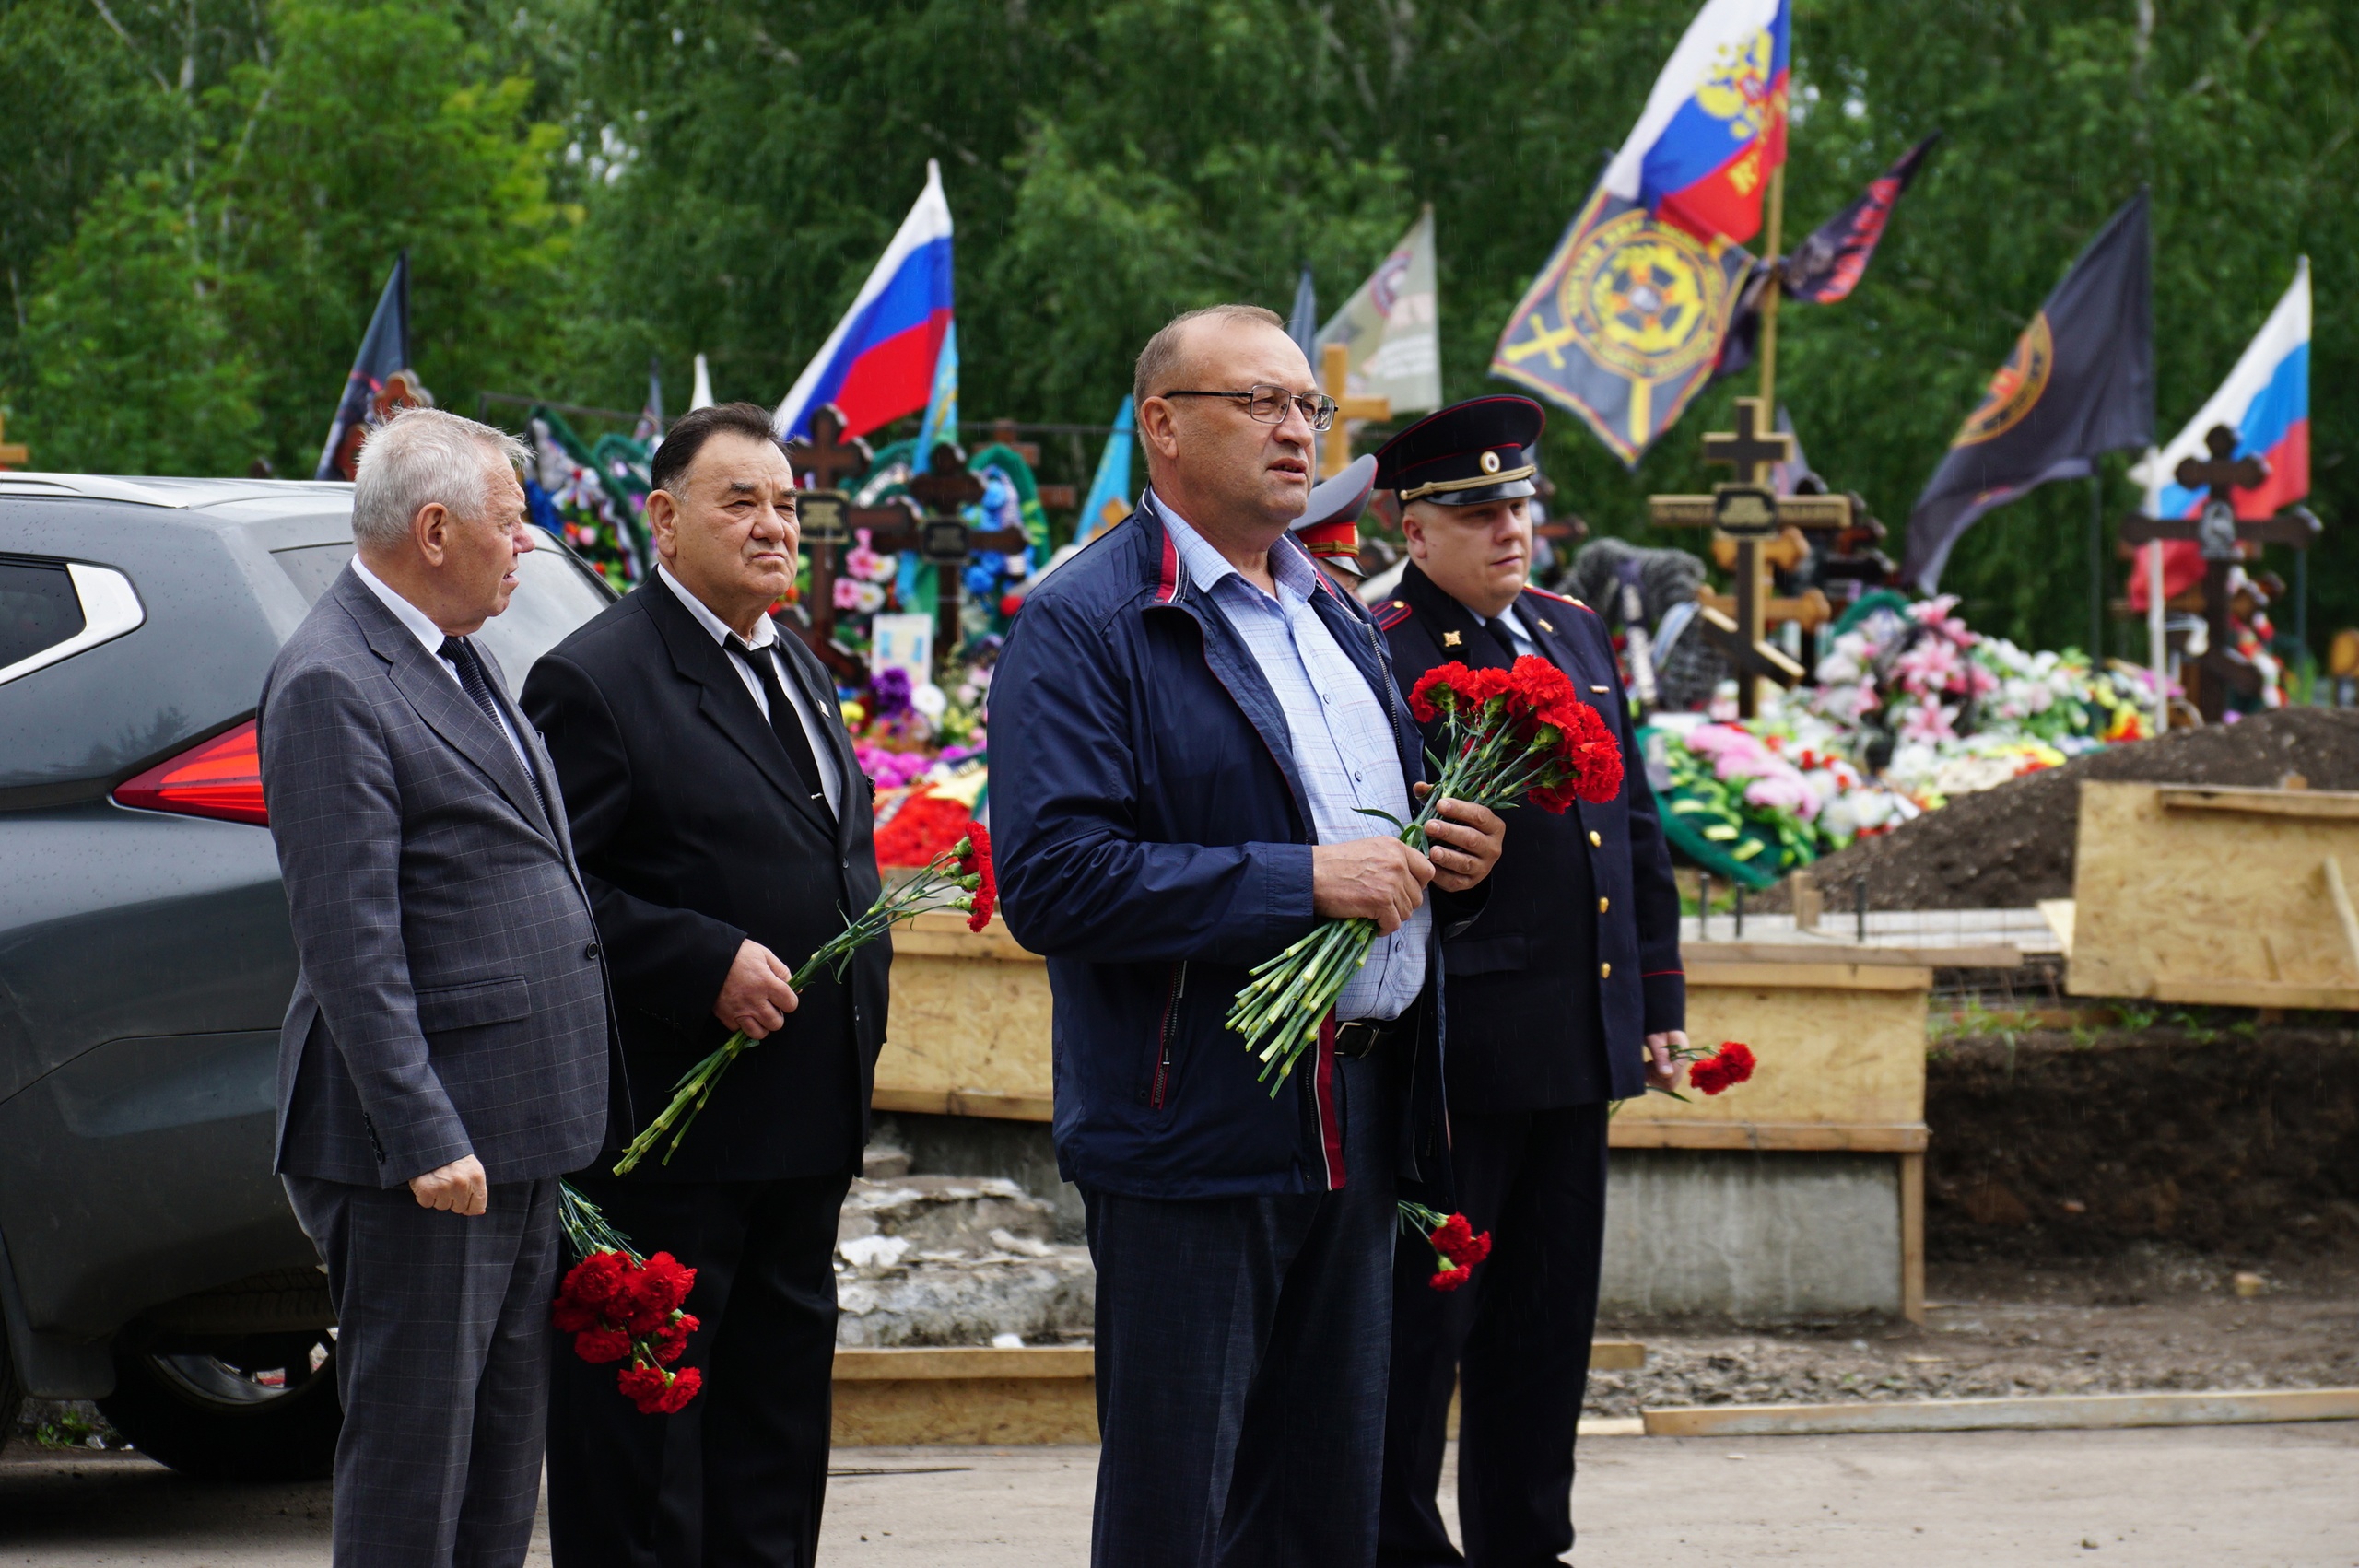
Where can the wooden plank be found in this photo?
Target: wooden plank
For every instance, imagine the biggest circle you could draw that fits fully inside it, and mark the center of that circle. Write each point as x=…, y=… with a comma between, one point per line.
x=1629, y=1130
x=1815, y=952
x=1912, y=1237
x=2209, y=906
x=1786, y=975
x=2255, y=993
x=2054, y=1412
x=2058, y=913
x=1831, y=1057
x=2340, y=805
x=966, y=1102
x=866, y=1363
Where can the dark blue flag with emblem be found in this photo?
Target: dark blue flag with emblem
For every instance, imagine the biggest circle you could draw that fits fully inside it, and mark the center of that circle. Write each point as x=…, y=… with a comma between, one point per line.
x=2080, y=382
x=1624, y=325
x=384, y=354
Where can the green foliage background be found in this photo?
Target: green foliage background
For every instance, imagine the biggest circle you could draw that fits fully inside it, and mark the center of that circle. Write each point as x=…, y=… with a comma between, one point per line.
x=198, y=205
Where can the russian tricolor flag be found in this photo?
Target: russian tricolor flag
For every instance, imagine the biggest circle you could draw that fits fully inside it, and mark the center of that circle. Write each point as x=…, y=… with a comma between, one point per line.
x=1714, y=128
x=878, y=363
x=2266, y=400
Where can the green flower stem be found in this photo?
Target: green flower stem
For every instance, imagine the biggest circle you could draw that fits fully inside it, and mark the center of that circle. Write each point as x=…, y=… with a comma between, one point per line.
x=936, y=888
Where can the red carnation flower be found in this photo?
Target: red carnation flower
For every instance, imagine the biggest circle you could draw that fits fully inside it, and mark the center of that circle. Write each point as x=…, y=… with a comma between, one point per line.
x=596, y=1281
x=1729, y=1067
x=977, y=862
x=1448, y=678
x=1452, y=1235
x=599, y=1346
x=1477, y=1247
x=571, y=1317
x=1450, y=1278
x=671, y=1341
x=656, y=1291
x=1538, y=686
x=645, y=1387
x=685, y=1387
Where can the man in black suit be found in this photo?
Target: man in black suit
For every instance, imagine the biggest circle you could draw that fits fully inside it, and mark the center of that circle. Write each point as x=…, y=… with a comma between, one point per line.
x=1565, y=995
x=725, y=833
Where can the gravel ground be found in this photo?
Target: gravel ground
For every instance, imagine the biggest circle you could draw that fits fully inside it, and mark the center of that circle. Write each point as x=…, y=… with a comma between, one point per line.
x=2150, y=1319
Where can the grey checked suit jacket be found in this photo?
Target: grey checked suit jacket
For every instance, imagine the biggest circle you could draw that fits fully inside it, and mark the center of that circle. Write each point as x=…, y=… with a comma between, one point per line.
x=452, y=998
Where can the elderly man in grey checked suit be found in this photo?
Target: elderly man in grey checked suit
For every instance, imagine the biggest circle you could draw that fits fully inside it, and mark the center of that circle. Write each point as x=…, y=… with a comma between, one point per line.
x=447, y=1053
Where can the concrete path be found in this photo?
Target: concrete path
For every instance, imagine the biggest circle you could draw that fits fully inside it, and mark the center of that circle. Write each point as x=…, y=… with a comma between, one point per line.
x=2279, y=1496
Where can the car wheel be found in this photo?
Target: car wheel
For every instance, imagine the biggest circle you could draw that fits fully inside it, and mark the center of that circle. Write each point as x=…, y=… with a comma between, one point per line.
x=262, y=1407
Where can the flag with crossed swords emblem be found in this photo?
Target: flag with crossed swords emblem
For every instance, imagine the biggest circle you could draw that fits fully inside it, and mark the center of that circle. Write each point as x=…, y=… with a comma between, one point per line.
x=1624, y=322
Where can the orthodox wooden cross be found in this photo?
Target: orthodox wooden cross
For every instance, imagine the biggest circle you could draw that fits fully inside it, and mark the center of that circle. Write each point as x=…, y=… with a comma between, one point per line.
x=2217, y=530
x=1335, y=378
x=942, y=537
x=12, y=453
x=1748, y=515
x=828, y=518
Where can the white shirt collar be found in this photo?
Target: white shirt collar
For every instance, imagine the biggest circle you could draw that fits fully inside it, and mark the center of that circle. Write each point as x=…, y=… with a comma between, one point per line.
x=420, y=624
x=1514, y=624
x=765, y=629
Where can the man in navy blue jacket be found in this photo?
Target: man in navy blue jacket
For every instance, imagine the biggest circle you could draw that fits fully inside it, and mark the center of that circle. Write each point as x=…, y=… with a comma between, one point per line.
x=1564, y=996
x=1193, y=727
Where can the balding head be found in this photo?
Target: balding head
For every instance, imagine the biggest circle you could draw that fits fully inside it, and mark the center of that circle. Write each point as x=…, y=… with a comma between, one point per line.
x=1237, y=480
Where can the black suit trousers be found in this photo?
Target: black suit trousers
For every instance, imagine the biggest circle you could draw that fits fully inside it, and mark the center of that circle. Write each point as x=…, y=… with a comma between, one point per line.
x=740, y=1476
x=1514, y=1340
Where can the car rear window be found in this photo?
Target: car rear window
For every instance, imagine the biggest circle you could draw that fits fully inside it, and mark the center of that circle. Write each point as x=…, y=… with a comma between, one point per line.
x=39, y=609
x=554, y=595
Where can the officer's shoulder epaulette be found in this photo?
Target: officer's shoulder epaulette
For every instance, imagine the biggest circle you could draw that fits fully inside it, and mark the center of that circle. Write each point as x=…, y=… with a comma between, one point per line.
x=1391, y=614
x=1559, y=598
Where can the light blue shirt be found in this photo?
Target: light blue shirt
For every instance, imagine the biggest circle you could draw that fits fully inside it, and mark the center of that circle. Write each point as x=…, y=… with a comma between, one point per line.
x=1342, y=735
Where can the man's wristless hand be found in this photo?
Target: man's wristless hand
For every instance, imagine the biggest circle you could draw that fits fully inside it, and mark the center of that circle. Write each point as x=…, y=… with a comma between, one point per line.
x=755, y=998
x=1368, y=879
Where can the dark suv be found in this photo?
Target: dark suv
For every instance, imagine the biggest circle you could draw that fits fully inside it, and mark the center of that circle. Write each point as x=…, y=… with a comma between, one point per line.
x=147, y=1256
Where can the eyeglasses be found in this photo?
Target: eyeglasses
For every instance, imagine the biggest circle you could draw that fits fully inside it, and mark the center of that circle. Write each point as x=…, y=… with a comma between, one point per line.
x=1269, y=404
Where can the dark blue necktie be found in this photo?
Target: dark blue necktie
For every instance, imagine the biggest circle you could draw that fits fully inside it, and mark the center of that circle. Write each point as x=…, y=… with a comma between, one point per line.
x=478, y=686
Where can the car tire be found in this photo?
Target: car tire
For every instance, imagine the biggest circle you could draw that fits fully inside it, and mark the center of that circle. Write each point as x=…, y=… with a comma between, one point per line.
x=261, y=1409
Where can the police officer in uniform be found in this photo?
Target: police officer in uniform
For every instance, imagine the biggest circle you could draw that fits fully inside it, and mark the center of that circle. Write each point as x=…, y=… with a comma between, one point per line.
x=1564, y=996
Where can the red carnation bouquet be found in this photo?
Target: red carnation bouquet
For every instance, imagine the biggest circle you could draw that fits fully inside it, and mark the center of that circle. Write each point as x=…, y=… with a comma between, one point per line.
x=1457, y=1247
x=1506, y=736
x=620, y=1307
x=959, y=878
x=1708, y=1071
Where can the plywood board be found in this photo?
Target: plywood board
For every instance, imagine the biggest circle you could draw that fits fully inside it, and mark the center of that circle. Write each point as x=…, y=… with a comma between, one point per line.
x=1832, y=1058
x=1840, y=1032
x=969, y=1028
x=2038, y=1413
x=2212, y=904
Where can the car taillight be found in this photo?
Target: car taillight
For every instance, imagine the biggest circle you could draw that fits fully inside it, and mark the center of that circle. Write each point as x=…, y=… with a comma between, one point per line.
x=221, y=777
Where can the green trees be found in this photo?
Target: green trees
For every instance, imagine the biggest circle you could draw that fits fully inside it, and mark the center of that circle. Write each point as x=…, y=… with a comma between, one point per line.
x=589, y=182
x=206, y=307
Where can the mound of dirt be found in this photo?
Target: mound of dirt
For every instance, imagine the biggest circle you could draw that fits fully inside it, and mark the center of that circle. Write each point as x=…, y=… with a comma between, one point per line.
x=2241, y=1138
x=2008, y=848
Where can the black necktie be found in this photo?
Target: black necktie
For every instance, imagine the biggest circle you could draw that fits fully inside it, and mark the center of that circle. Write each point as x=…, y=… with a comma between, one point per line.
x=1498, y=630
x=784, y=719
x=478, y=686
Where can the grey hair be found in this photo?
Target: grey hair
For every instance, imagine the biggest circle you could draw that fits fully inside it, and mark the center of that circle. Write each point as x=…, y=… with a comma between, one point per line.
x=423, y=455
x=1159, y=360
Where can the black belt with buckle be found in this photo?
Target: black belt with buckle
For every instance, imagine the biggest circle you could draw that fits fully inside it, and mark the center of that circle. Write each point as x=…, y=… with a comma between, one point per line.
x=1365, y=1037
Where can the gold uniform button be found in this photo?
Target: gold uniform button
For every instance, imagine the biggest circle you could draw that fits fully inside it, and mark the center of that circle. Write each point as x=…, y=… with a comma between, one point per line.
x=1594, y=841
x=1605, y=971
x=1602, y=905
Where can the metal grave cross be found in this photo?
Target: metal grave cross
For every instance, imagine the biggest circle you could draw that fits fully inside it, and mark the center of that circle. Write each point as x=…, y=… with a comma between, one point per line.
x=1334, y=379
x=1747, y=513
x=828, y=520
x=2219, y=534
x=942, y=537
